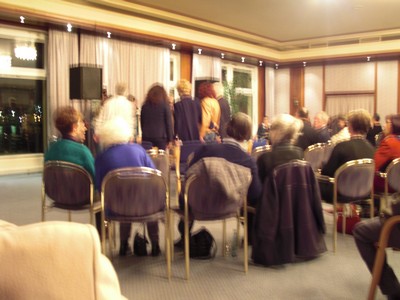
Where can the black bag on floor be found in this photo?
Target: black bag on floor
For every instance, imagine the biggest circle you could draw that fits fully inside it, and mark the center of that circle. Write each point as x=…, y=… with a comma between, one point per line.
x=140, y=244
x=202, y=245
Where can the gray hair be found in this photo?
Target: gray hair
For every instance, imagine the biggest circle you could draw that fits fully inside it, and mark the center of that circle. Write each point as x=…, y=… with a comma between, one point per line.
x=285, y=128
x=114, y=131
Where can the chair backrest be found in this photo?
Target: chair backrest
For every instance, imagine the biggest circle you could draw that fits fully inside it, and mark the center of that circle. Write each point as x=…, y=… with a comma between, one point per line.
x=393, y=174
x=257, y=151
x=327, y=152
x=134, y=194
x=161, y=160
x=314, y=154
x=215, y=188
x=146, y=145
x=67, y=184
x=186, y=149
x=354, y=179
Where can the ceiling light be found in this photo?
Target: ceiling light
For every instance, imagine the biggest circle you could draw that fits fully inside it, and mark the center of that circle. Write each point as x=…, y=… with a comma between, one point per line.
x=304, y=63
x=22, y=19
x=199, y=51
x=173, y=46
x=260, y=62
x=243, y=58
x=69, y=27
x=368, y=58
x=5, y=61
x=276, y=66
x=25, y=51
x=222, y=55
x=108, y=34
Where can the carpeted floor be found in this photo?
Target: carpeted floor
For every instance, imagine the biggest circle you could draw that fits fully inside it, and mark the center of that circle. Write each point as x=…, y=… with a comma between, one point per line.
x=332, y=276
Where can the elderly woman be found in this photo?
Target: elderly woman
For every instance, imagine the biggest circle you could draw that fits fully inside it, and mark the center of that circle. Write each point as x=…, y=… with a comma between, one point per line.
x=115, y=136
x=283, y=134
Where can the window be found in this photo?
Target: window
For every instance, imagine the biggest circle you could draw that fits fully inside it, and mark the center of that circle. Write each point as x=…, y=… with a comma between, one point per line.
x=240, y=83
x=174, y=74
x=22, y=91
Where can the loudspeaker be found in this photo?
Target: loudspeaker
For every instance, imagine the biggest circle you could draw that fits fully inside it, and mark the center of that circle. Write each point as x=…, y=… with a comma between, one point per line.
x=85, y=83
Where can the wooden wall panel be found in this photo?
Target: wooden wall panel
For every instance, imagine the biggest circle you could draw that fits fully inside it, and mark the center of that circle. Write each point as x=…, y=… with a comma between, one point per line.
x=186, y=65
x=296, y=89
x=261, y=94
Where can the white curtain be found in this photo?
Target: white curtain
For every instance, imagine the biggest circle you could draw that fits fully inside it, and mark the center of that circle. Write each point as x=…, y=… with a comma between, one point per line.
x=138, y=65
x=62, y=53
x=342, y=104
x=206, y=67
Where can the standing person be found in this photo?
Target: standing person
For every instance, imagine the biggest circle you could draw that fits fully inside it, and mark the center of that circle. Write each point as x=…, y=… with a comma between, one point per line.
x=375, y=129
x=224, y=107
x=210, y=112
x=309, y=135
x=321, y=126
x=118, y=105
x=156, y=118
x=359, y=122
x=116, y=135
x=187, y=113
x=263, y=129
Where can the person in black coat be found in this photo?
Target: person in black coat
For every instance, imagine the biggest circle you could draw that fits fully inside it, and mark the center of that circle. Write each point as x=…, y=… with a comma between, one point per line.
x=156, y=118
x=225, y=108
x=283, y=133
x=308, y=135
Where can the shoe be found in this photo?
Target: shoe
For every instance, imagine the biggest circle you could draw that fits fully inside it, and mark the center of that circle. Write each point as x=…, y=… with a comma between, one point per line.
x=180, y=244
x=155, y=250
x=124, y=249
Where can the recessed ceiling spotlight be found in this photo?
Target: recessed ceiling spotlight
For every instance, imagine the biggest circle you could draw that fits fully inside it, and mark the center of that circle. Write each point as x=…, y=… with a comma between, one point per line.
x=173, y=46
x=243, y=58
x=222, y=55
x=22, y=19
x=108, y=34
x=69, y=27
x=199, y=51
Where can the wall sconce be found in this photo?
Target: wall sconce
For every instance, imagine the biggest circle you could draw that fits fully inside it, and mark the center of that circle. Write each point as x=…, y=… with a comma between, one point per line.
x=276, y=66
x=368, y=58
x=260, y=63
x=173, y=46
x=304, y=63
x=22, y=19
x=222, y=55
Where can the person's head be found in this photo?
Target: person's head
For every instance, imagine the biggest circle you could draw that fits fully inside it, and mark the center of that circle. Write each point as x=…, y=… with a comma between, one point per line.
x=184, y=87
x=376, y=117
x=131, y=98
x=320, y=120
x=120, y=89
x=265, y=121
x=70, y=123
x=393, y=124
x=285, y=129
x=114, y=131
x=206, y=89
x=302, y=113
x=239, y=127
x=359, y=121
x=157, y=94
x=219, y=89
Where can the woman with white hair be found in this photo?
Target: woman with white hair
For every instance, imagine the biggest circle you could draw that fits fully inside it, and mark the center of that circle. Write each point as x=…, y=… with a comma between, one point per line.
x=284, y=131
x=115, y=136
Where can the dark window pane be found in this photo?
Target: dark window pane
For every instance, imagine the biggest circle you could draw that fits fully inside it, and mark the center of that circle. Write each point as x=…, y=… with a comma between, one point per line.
x=21, y=116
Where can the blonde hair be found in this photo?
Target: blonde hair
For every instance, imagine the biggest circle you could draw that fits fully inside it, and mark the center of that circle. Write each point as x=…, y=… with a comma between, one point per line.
x=184, y=87
x=285, y=128
x=120, y=89
x=114, y=131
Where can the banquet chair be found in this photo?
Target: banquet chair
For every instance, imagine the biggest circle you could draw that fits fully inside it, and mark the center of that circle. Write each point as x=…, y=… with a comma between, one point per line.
x=314, y=154
x=381, y=253
x=327, y=152
x=352, y=181
x=182, y=155
x=69, y=187
x=215, y=189
x=258, y=151
x=392, y=181
x=135, y=195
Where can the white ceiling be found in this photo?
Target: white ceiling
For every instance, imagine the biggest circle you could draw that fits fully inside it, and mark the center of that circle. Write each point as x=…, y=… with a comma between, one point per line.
x=290, y=21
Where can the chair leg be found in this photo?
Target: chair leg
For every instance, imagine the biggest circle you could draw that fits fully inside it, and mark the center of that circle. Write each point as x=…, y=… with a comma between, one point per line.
x=171, y=234
x=187, y=254
x=223, y=237
x=334, y=233
x=167, y=243
x=69, y=216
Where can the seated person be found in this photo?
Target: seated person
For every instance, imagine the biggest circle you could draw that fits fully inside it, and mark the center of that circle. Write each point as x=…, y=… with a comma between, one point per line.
x=283, y=133
x=115, y=136
x=359, y=122
x=366, y=235
x=263, y=129
x=233, y=149
x=309, y=135
x=321, y=126
x=70, y=147
x=388, y=150
x=375, y=129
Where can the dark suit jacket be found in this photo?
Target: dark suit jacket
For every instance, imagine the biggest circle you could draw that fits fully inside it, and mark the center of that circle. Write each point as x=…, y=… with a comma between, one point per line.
x=355, y=148
x=156, y=122
x=187, y=119
x=308, y=137
x=279, y=154
x=225, y=115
